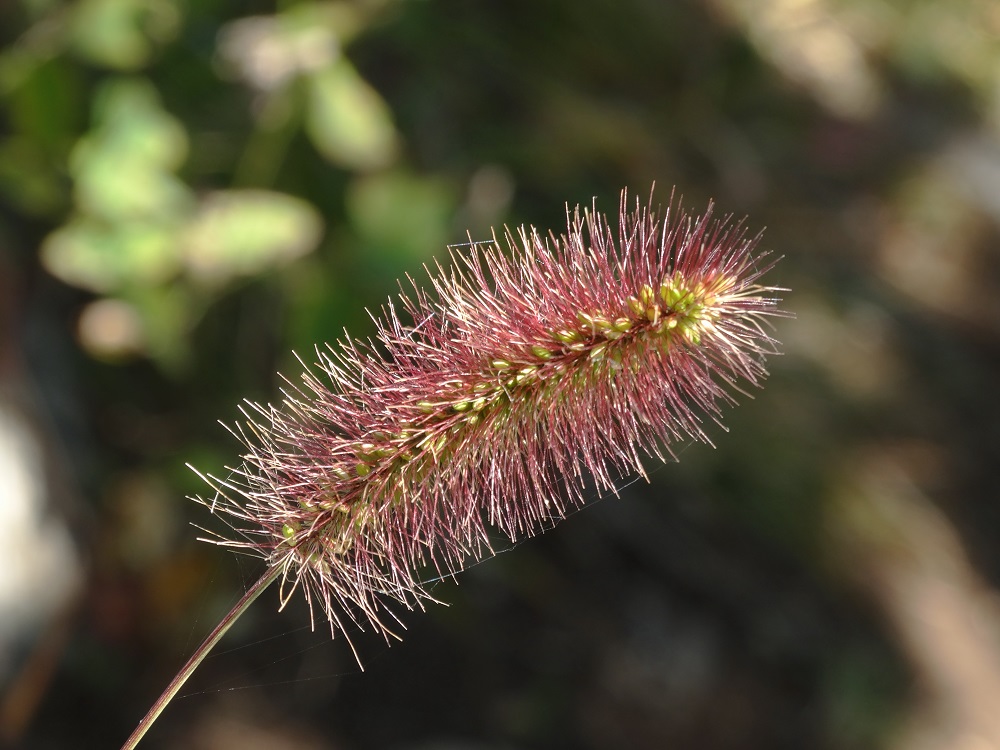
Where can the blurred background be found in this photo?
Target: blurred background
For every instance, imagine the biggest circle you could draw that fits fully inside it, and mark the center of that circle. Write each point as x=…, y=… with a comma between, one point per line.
x=191, y=191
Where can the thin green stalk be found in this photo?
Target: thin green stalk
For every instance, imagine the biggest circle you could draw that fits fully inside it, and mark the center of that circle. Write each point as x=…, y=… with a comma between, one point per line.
x=199, y=655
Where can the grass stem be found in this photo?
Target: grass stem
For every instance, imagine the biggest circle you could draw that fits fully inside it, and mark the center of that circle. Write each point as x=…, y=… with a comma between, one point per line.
x=199, y=655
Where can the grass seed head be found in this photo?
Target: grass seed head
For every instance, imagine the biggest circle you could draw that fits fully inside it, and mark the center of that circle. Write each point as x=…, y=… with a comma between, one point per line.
x=534, y=368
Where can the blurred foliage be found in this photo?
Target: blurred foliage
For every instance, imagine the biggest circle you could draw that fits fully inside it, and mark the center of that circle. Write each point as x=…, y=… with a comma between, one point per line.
x=191, y=191
x=139, y=232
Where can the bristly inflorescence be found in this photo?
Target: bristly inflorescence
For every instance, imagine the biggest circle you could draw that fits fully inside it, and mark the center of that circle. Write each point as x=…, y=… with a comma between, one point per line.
x=495, y=402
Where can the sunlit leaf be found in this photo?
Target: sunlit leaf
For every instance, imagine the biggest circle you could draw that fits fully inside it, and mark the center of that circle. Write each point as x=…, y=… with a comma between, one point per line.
x=266, y=51
x=244, y=232
x=123, y=34
x=124, y=167
x=105, y=258
x=347, y=120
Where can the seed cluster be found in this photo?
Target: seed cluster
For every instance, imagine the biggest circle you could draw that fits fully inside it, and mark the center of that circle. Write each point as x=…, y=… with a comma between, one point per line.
x=518, y=384
x=677, y=311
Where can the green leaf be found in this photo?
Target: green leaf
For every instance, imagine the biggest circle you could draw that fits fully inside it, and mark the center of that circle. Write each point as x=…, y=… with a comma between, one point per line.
x=123, y=34
x=347, y=120
x=245, y=232
x=106, y=258
x=124, y=167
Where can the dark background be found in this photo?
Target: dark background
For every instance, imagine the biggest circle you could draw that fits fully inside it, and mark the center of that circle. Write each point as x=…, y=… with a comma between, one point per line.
x=189, y=192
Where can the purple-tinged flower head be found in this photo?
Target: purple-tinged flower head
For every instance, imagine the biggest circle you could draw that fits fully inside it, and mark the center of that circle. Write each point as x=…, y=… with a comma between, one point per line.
x=495, y=400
